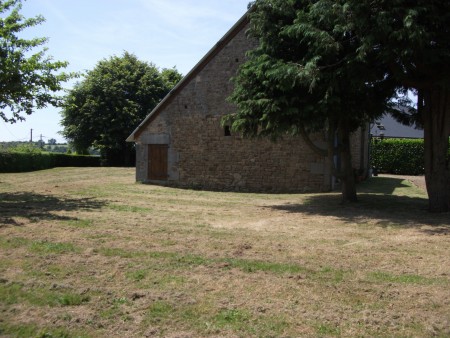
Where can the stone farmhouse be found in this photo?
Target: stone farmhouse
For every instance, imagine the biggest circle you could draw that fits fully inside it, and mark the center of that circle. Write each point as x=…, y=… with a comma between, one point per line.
x=182, y=142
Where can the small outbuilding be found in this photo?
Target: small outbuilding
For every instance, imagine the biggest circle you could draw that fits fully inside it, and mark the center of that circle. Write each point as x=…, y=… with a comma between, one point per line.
x=182, y=142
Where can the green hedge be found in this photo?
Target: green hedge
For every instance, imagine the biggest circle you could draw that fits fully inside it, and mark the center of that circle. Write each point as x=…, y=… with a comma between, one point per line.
x=11, y=162
x=398, y=156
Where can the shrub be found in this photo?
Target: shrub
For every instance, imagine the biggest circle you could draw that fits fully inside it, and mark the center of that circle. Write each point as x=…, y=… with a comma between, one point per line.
x=13, y=161
x=66, y=160
x=398, y=156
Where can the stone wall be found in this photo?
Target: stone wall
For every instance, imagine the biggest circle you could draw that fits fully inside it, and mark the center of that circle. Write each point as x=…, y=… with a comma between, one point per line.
x=201, y=156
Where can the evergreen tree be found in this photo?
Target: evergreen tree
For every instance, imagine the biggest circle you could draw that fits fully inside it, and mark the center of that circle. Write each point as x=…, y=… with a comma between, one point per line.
x=304, y=78
x=335, y=64
x=412, y=40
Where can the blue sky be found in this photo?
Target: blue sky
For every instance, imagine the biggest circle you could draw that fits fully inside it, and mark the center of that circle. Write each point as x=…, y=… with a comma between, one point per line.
x=168, y=33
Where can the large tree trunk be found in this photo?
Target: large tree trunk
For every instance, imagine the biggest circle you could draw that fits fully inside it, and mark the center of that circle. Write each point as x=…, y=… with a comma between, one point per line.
x=347, y=172
x=436, y=116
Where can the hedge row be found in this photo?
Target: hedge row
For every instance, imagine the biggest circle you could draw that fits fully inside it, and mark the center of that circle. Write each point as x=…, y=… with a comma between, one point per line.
x=398, y=156
x=11, y=162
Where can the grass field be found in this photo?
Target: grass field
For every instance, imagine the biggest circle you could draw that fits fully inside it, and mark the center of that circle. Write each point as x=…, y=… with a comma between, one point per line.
x=90, y=253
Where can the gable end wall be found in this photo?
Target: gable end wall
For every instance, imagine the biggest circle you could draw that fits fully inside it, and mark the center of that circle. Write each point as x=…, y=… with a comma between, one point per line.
x=201, y=156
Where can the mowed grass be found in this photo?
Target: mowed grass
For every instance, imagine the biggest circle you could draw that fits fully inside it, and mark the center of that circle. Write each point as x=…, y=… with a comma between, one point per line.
x=90, y=253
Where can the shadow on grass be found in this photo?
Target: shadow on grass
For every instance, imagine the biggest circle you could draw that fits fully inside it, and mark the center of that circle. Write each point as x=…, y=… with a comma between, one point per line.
x=37, y=207
x=390, y=202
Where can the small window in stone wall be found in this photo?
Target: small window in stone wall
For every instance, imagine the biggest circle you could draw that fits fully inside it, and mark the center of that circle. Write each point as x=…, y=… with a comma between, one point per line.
x=227, y=131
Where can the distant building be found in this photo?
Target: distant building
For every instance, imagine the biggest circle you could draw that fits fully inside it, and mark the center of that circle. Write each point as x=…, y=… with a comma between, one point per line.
x=388, y=127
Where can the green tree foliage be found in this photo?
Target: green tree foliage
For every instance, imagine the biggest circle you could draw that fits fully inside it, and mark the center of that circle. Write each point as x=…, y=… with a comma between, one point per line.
x=113, y=98
x=333, y=64
x=28, y=80
x=304, y=77
x=412, y=40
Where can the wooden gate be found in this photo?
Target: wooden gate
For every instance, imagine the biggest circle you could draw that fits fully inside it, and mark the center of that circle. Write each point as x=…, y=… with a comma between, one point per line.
x=157, y=162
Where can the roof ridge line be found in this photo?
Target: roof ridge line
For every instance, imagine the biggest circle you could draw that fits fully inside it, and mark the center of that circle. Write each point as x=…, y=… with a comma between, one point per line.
x=231, y=33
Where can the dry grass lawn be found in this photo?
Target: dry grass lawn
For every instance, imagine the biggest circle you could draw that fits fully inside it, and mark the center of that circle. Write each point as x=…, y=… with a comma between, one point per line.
x=89, y=253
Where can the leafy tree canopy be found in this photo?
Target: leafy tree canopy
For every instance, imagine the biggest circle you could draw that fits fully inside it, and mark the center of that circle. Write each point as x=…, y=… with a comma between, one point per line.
x=28, y=79
x=305, y=77
x=112, y=99
x=412, y=40
x=335, y=64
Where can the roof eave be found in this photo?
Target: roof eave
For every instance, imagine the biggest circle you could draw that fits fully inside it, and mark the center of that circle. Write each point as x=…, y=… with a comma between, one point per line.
x=185, y=80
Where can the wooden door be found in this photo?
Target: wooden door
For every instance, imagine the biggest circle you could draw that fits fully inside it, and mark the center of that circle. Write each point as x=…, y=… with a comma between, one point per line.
x=157, y=162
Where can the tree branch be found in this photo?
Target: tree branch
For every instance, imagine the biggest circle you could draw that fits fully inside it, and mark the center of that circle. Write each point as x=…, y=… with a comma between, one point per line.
x=319, y=151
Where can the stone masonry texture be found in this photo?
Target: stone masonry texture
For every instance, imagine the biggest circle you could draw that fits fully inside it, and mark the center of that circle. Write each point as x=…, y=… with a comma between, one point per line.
x=201, y=156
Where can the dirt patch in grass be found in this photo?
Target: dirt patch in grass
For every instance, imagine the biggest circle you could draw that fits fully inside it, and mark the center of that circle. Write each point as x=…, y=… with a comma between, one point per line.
x=90, y=253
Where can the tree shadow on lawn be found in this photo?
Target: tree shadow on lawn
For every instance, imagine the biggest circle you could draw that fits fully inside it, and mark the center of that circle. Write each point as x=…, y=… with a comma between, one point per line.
x=388, y=201
x=37, y=207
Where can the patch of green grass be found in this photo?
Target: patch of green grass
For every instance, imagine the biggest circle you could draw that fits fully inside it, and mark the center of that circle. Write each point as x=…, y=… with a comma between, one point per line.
x=61, y=271
x=235, y=319
x=93, y=191
x=10, y=293
x=201, y=225
x=128, y=208
x=158, y=311
x=390, y=185
x=71, y=299
x=51, y=270
x=117, y=252
x=102, y=237
x=163, y=255
x=18, y=331
x=171, y=279
x=119, y=301
x=242, y=321
x=179, y=260
x=51, y=247
x=245, y=265
x=191, y=260
x=31, y=330
x=162, y=280
x=15, y=293
x=405, y=279
x=13, y=242
x=67, y=317
x=272, y=326
x=253, y=266
x=137, y=275
x=80, y=223
x=5, y=264
x=335, y=276
x=168, y=242
x=114, y=309
x=206, y=320
x=326, y=330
